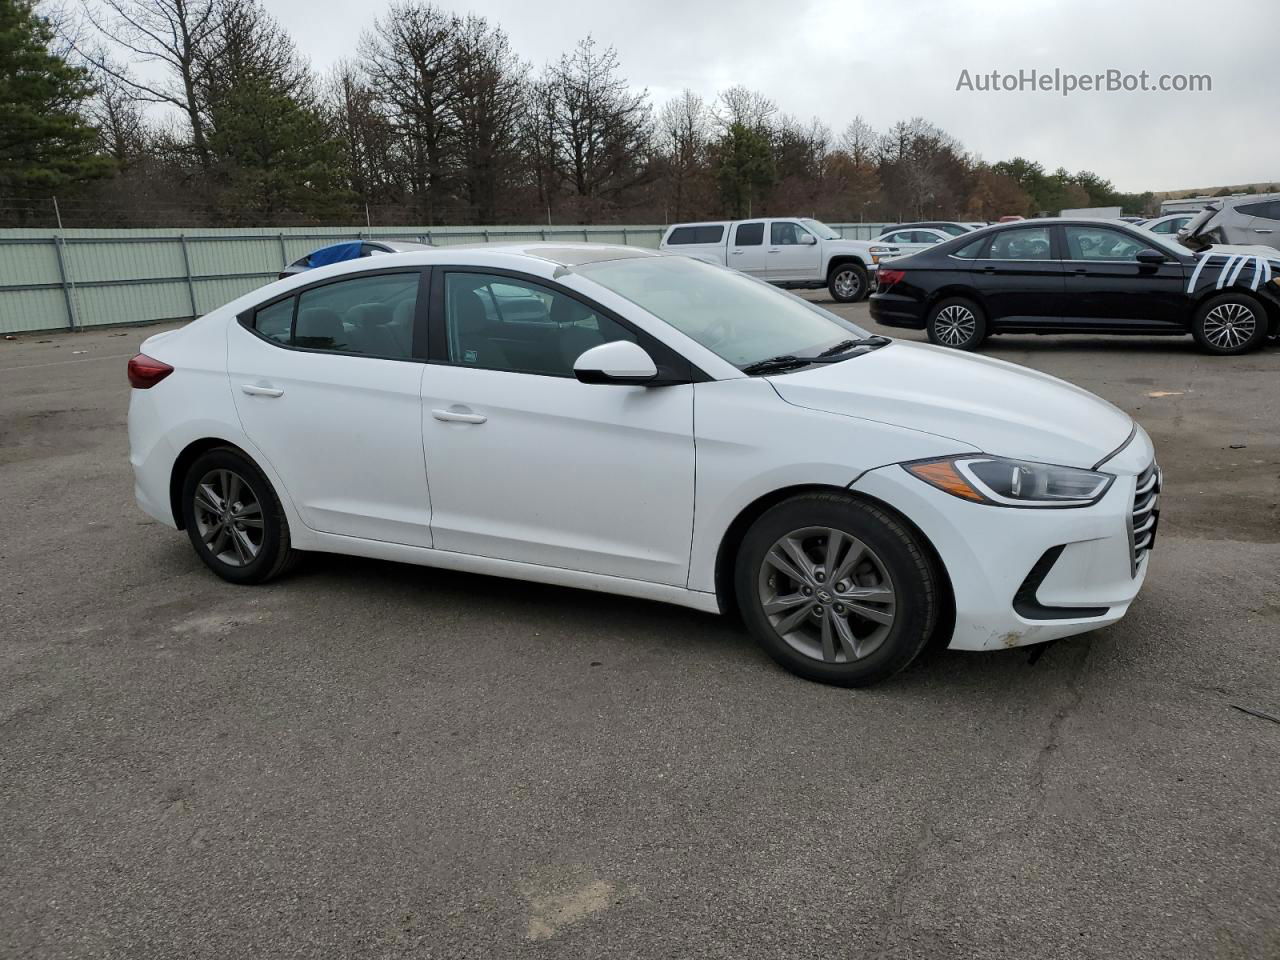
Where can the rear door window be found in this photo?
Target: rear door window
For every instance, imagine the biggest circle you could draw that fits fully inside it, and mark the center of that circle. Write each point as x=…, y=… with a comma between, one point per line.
x=749, y=234
x=275, y=322
x=1024, y=243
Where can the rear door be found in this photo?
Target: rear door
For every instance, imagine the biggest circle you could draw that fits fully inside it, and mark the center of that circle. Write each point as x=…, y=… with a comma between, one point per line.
x=1019, y=279
x=327, y=385
x=1106, y=286
x=746, y=247
x=792, y=253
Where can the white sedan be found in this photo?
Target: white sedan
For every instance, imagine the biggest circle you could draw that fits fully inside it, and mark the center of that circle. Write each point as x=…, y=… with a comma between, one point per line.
x=913, y=240
x=620, y=420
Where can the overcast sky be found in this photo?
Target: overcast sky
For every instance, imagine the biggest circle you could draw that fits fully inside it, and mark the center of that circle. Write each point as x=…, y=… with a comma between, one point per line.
x=893, y=59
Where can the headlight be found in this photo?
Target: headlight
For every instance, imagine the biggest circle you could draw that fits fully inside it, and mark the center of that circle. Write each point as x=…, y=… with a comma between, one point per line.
x=1011, y=483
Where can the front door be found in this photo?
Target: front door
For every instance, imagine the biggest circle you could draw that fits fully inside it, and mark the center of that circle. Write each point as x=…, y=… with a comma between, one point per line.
x=792, y=253
x=1019, y=279
x=525, y=462
x=1106, y=286
x=327, y=387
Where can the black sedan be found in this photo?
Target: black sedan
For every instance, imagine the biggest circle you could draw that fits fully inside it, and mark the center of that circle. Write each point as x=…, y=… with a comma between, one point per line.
x=1081, y=276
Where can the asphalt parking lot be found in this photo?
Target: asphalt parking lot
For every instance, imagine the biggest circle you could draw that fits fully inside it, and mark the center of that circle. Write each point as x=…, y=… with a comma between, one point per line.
x=373, y=760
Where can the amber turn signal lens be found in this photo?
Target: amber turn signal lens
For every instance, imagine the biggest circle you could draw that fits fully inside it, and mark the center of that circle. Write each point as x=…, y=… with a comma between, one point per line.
x=944, y=475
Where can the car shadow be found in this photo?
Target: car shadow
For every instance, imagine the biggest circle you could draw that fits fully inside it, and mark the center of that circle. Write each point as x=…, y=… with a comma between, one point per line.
x=666, y=629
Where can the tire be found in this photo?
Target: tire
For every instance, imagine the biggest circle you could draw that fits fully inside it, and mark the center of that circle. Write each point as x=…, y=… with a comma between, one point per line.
x=895, y=579
x=847, y=283
x=255, y=548
x=957, y=323
x=1230, y=324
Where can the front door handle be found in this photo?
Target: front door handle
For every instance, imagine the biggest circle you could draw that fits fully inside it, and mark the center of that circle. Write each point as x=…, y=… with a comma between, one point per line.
x=458, y=416
x=988, y=269
x=253, y=390
x=1262, y=230
x=1080, y=271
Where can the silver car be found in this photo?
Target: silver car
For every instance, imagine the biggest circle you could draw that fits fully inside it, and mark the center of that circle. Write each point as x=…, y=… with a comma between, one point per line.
x=1247, y=220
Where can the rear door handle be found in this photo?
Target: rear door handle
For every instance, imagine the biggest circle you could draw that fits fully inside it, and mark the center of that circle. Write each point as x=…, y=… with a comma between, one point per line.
x=1080, y=271
x=988, y=269
x=1262, y=230
x=458, y=416
x=253, y=390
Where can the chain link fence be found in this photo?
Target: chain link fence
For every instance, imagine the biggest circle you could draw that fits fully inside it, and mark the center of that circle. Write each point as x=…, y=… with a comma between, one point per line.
x=74, y=279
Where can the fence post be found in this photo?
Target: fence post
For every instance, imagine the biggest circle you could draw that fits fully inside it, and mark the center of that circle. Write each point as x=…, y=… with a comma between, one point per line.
x=585, y=238
x=284, y=254
x=186, y=263
x=624, y=236
x=486, y=236
x=68, y=286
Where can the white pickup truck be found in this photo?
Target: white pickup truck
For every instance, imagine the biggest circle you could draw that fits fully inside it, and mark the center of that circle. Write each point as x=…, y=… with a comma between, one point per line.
x=787, y=251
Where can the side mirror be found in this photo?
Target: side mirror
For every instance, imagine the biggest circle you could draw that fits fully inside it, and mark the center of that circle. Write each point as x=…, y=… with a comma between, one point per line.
x=1151, y=257
x=808, y=239
x=619, y=362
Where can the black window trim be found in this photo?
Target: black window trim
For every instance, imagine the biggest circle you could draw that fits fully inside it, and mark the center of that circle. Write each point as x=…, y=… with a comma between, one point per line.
x=673, y=367
x=418, y=349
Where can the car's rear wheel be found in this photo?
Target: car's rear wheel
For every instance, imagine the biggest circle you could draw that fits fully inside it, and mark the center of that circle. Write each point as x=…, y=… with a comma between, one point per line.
x=957, y=323
x=234, y=518
x=1231, y=324
x=836, y=589
x=848, y=283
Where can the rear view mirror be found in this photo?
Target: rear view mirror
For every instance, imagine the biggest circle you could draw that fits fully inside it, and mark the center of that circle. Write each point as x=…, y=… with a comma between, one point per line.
x=619, y=362
x=1150, y=256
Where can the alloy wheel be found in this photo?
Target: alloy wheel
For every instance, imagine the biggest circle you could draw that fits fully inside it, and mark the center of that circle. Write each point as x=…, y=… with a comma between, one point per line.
x=847, y=283
x=827, y=595
x=955, y=324
x=1229, y=326
x=228, y=517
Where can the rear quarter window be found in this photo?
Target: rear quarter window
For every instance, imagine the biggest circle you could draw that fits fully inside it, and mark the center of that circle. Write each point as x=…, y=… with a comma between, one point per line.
x=686, y=235
x=973, y=250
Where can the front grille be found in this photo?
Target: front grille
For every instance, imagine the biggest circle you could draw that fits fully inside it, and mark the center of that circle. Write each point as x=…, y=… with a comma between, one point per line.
x=1145, y=516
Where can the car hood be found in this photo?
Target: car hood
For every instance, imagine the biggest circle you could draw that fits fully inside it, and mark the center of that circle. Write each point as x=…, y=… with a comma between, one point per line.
x=990, y=405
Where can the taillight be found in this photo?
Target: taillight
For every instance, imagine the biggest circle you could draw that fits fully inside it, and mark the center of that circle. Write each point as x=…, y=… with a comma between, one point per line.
x=145, y=372
x=888, y=278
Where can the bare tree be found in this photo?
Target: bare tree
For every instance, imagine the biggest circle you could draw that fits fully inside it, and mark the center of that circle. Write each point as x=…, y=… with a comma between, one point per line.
x=602, y=128
x=181, y=35
x=489, y=94
x=750, y=108
x=859, y=141
x=683, y=140
x=409, y=59
x=363, y=132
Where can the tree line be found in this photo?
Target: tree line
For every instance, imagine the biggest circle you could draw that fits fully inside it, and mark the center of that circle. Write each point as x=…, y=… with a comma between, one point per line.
x=436, y=119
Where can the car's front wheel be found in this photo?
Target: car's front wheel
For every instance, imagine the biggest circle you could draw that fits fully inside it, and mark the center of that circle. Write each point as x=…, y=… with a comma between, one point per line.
x=1231, y=324
x=848, y=283
x=957, y=323
x=234, y=518
x=836, y=589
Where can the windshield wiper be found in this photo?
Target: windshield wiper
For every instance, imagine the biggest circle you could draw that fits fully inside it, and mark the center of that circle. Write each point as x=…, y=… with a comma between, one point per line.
x=833, y=354
x=785, y=362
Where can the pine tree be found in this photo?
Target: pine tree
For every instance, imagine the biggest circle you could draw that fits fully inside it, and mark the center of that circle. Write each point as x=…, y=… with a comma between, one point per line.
x=45, y=142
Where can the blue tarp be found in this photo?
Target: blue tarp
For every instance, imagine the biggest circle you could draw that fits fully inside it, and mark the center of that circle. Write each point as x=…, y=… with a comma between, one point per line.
x=335, y=253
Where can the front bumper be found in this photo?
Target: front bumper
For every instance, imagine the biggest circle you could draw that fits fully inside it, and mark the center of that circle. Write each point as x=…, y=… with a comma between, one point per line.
x=1024, y=576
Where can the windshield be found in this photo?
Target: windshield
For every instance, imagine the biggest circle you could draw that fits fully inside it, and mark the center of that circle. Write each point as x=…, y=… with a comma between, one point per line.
x=821, y=229
x=740, y=319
